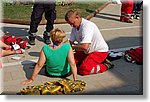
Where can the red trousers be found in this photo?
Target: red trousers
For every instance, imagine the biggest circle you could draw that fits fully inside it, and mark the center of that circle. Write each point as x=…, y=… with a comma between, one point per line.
x=126, y=9
x=90, y=63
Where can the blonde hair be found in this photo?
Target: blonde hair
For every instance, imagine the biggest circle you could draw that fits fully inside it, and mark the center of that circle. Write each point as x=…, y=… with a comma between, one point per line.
x=57, y=36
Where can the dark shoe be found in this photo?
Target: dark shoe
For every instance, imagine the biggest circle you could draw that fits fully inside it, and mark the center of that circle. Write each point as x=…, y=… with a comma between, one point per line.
x=128, y=21
x=31, y=38
x=132, y=16
x=46, y=37
x=108, y=64
x=125, y=19
x=137, y=17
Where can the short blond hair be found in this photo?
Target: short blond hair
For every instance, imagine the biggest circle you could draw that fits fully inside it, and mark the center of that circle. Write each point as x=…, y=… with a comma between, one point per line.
x=57, y=36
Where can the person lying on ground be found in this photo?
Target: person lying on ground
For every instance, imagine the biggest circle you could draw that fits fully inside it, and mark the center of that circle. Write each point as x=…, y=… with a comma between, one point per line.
x=6, y=50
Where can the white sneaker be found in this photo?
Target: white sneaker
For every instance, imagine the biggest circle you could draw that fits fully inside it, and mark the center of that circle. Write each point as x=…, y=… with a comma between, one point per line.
x=132, y=17
x=115, y=54
x=138, y=18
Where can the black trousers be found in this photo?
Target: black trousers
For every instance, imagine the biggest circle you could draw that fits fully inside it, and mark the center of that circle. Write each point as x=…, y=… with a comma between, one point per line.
x=137, y=6
x=37, y=14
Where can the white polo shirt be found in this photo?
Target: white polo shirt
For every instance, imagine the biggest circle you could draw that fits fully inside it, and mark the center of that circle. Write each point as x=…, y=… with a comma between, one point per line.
x=89, y=33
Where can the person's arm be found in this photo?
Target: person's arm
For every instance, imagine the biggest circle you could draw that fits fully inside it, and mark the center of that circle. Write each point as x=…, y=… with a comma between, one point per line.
x=7, y=52
x=37, y=68
x=72, y=63
x=86, y=38
x=2, y=44
x=81, y=47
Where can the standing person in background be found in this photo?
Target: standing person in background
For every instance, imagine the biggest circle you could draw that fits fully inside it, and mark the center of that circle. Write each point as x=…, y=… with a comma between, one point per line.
x=126, y=11
x=91, y=50
x=47, y=7
x=137, y=9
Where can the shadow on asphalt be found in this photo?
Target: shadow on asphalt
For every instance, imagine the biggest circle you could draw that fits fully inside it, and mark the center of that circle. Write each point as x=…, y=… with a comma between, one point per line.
x=15, y=31
x=108, y=16
x=22, y=32
x=35, y=54
x=123, y=42
x=39, y=38
x=28, y=68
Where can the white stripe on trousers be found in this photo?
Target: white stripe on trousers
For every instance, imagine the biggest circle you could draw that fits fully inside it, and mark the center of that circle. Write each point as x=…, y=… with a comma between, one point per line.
x=97, y=68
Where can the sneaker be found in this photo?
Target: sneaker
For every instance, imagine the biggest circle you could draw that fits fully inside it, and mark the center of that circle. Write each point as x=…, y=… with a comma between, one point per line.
x=126, y=20
x=114, y=55
x=31, y=38
x=132, y=17
x=108, y=64
x=137, y=17
x=31, y=41
x=46, y=37
x=20, y=51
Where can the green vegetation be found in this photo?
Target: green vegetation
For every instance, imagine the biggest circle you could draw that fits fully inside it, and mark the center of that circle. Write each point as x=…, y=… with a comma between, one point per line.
x=23, y=11
x=17, y=11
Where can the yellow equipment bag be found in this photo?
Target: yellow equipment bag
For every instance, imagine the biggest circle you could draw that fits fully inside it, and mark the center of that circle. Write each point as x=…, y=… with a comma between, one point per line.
x=64, y=86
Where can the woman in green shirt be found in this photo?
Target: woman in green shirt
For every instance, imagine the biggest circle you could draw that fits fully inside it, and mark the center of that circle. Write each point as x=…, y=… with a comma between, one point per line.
x=59, y=58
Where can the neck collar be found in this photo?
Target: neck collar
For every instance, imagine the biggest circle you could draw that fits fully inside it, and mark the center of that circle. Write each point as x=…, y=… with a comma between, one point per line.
x=54, y=45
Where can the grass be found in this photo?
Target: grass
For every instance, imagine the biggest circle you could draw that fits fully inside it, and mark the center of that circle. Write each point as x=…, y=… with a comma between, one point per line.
x=17, y=11
x=83, y=8
x=20, y=11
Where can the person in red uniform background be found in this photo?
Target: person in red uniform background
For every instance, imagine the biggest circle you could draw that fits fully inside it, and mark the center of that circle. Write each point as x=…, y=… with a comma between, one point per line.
x=126, y=10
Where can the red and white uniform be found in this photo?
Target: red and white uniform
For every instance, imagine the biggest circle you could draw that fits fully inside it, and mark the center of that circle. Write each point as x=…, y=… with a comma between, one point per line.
x=126, y=9
x=90, y=60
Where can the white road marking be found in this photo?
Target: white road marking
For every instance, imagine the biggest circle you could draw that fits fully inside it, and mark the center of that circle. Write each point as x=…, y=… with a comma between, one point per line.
x=131, y=27
x=20, y=63
x=106, y=29
x=35, y=60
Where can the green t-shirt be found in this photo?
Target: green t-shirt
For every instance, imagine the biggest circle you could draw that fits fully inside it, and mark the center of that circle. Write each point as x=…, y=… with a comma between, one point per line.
x=56, y=60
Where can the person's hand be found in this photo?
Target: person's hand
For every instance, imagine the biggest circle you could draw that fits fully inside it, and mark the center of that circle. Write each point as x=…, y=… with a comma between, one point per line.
x=27, y=82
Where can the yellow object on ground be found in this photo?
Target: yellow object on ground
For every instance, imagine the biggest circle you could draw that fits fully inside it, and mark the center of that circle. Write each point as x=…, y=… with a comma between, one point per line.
x=64, y=86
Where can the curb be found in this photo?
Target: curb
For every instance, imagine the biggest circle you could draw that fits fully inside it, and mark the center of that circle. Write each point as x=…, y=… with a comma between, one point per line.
x=57, y=21
x=27, y=22
x=98, y=10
